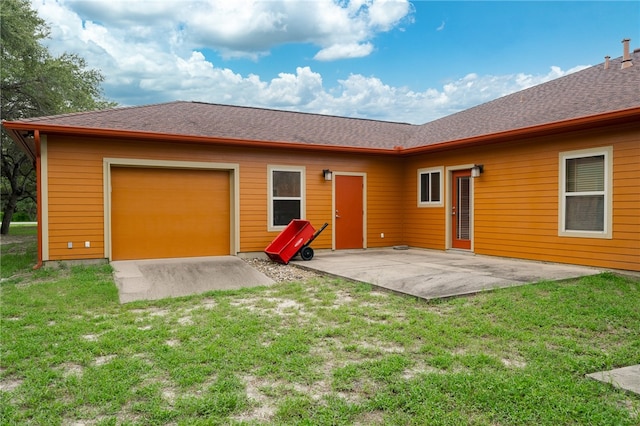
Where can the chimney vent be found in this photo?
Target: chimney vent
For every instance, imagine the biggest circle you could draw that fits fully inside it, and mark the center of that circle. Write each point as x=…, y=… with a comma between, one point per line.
x=606, y=62
x=626, y=58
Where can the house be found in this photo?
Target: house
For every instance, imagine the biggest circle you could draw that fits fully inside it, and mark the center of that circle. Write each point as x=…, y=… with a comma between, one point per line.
x=551, y=173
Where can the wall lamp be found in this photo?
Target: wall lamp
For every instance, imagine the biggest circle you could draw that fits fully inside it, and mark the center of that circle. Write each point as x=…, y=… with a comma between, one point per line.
x=477, y=170
x=328, y=174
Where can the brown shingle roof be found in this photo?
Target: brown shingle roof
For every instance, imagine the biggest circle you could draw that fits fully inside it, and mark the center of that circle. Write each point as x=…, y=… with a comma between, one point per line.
x=590, y=92
x=246, y=123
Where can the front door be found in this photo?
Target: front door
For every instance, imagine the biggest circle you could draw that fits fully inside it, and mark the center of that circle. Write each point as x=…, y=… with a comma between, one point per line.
x=461, y=209
x=349, y=212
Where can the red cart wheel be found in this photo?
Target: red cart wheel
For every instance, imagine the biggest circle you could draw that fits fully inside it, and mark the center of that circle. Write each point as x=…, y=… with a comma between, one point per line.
x=306, y=253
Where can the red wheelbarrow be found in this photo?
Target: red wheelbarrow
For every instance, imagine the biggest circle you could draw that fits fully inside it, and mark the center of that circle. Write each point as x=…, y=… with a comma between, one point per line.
x=294, y=239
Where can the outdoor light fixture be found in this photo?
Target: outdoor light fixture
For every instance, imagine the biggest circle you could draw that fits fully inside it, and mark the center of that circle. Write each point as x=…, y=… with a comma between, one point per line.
x=327, y=174
x=477, y=170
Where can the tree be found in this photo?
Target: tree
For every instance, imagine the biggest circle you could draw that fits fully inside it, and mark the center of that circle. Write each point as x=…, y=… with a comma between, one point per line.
x=35, y=83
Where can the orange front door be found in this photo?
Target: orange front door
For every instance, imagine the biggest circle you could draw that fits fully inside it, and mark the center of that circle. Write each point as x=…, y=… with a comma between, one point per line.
x=461, y=209
x=349, y=212
x=161, y=213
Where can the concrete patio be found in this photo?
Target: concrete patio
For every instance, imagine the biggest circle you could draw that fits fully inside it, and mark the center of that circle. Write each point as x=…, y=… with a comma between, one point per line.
x=430, y=274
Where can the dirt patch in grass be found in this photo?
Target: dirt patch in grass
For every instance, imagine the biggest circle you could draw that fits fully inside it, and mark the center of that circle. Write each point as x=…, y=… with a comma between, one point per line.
x=19, y=240
x=71, y=369
x=102, y=360
x=90, y=337
x=263, y=406
x=8, y=384
x=513, y=363
x=271, y=305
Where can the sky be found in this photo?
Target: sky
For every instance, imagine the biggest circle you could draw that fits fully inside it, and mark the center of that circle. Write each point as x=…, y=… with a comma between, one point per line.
x=392, y=60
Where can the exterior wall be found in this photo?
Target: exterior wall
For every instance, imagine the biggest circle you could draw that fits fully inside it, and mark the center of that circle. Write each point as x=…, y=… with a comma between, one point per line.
x=516, y=200
x=76, y=200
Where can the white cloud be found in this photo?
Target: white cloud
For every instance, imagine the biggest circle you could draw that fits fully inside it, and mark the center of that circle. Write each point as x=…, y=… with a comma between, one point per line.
x=385, y=14
x=337, y=51
x=156, y=56
x=243, y=28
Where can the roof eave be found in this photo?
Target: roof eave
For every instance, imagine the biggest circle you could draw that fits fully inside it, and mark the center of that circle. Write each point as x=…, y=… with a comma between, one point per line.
x=16, y=126
x=581, y=123
x=19, y=137
x=16, y=129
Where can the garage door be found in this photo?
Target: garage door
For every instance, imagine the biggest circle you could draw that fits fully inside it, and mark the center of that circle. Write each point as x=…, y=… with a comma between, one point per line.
x=162, y=213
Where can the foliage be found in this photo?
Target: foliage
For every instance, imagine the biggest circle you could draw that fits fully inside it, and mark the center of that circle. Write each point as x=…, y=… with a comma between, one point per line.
x=324, y=352
x=35, y=83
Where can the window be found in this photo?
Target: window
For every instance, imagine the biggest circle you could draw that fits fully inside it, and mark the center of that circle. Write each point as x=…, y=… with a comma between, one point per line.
x=286, y=195
x=585, y=190
x=430, y=187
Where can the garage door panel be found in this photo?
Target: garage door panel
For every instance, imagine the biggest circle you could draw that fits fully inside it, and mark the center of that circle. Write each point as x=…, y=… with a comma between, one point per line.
x=161, y=213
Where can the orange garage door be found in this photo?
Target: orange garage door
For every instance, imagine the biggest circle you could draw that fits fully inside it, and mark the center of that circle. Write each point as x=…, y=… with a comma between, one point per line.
x=161, y=213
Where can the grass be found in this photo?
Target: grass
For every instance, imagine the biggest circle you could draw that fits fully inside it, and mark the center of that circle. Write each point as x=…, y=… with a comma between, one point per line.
x=18, y=257
x=23, y=229
x=320, y=352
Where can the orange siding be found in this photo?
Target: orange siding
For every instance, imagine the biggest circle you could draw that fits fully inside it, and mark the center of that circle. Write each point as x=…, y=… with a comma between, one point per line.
x=516, y=198
x=384, y=204
x=75, y=203
x=75, y=189
x=516, y=201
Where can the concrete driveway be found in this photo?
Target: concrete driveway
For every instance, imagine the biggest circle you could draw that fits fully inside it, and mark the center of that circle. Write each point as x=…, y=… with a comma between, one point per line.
x=430, y=274
x=426, y=274
x=161, y=278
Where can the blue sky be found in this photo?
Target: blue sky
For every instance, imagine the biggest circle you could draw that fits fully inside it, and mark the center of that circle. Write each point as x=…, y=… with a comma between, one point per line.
x=381, y=59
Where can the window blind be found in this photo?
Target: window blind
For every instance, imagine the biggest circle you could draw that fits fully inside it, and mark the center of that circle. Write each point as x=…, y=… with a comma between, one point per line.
x=585, y=174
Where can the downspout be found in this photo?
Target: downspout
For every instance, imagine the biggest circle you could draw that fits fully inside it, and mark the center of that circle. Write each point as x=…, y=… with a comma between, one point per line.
x=36, y=137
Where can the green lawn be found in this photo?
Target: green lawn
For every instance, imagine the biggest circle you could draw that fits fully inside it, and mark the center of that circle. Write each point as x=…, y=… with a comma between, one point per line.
x=21, y=229
x=320, y=352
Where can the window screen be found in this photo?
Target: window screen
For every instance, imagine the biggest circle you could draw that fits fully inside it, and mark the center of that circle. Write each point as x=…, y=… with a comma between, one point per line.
x=286, y=196
x=585, y=193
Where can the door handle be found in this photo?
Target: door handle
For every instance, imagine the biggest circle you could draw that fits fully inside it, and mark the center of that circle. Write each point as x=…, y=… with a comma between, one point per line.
x=337, y=214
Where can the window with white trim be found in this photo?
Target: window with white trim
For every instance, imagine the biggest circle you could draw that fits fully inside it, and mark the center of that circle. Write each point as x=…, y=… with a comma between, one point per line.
x=585, y=191
x=430, y=185
x=286, y=188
